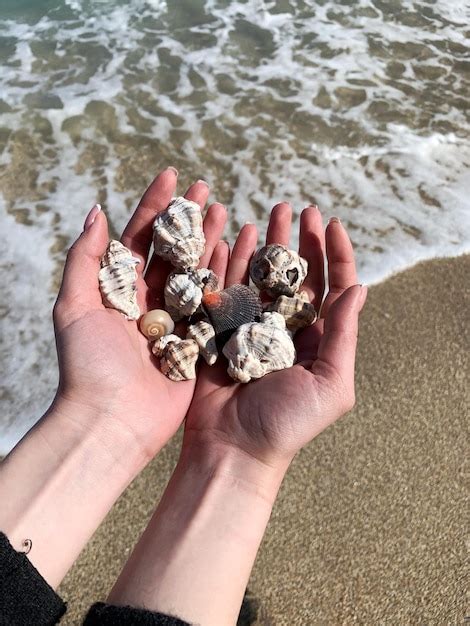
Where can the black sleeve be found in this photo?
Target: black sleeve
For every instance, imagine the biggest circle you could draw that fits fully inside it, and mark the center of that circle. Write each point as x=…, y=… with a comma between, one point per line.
x=25, y=597
x=102, y=614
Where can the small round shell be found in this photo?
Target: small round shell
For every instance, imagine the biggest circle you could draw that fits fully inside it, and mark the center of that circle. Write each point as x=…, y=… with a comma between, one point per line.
x=183, y=291
x=117, y=279
x=203, y=334
x=178, y=236
x=297, y=310
x=259, y=348
x=155, y=324
x=178, y=361
x=230, y=308
x=278, y=270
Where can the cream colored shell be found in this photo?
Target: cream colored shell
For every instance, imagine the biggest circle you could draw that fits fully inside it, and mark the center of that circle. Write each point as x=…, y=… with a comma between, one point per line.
x=297, y=310
x=156, y=323
x=278, y=270
x=203, y=334
x=178, y=361
x=178, y=236
x=184, y=291
x=259, y=348
x=117, y=279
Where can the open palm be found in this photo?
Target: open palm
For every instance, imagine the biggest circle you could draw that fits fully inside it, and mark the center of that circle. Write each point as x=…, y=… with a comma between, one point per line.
x=106, y=366
x=273, y=417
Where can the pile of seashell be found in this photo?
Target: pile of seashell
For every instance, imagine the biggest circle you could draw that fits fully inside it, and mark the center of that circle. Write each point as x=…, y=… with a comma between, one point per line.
x=255, y=338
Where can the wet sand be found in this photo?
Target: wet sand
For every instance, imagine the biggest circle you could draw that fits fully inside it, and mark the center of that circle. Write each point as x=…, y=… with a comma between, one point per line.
x=371, y=525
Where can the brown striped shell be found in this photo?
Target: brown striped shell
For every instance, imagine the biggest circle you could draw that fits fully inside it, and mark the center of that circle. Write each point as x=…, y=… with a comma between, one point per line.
x=117, y=279
x=178, y=236
x=297, y=310
x=183, y=291
x=178, y=358
x=203, y=334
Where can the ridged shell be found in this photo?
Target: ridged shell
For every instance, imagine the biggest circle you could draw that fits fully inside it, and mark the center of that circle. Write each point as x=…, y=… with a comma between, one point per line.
x=160, y=345
x=256, y=349
x=183, y=291
x=203, y=334
x=230, y=308
x=297, y=310
x=117, y=279
x=177, y=234
x=178, y=361
x=278, y=270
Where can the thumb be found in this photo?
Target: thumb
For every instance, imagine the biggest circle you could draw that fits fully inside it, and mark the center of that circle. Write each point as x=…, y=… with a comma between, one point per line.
x=337, y=349
x=79, y=290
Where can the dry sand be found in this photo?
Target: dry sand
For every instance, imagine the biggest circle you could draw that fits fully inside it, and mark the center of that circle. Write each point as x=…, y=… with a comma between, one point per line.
x=372, y=522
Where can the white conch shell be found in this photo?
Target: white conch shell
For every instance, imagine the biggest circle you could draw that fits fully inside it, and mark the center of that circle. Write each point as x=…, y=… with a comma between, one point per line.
x=203, y=334
x=278, y=270
x=178, y=236
x=184, y=291
x=156, y=323
x=117, y=278
x=297, y=310
x=158, y=348
x=259, y=348
x=179, y=358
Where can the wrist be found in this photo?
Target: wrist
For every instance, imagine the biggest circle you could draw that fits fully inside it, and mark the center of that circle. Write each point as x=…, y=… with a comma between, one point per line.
x=104, y=436
x=60, y=481
x=211, y=456
x=204, y=535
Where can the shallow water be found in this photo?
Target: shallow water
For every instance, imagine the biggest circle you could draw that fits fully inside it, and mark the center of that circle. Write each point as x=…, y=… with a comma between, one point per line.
x=360, y=106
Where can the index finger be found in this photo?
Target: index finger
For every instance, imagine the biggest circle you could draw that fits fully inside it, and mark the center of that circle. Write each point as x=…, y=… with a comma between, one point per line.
x=137, y=235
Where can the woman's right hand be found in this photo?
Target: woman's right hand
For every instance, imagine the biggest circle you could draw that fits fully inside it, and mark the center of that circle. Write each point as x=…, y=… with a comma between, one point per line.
x=270, y=419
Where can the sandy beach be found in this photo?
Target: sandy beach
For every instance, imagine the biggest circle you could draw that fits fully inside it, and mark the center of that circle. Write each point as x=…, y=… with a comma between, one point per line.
x=371, y=523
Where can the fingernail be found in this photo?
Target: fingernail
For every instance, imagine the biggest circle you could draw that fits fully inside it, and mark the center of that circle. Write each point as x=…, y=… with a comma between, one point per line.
x=203, y=182
x=313, y=206
x=363, y=294
x=248, y=223
x=333, y=220
x=90, y=218
x=173, y=169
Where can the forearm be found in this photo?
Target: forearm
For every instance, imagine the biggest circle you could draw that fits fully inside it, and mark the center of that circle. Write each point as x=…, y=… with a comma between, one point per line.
x=195, y=557
x=60, y=481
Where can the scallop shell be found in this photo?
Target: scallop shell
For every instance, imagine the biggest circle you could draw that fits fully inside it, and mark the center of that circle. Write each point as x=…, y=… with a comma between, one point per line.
x=297, y=310
x=117, y=279
x=179, y=358
x=155, y=324
x=278, y=270
x=203, y=334
x=183, y=291
x=256, y=349
x=178, y=236
x=160, y=345
x=230, y=308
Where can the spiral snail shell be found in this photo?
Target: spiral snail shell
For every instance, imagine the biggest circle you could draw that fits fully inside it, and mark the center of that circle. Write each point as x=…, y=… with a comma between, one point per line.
x=156, y=324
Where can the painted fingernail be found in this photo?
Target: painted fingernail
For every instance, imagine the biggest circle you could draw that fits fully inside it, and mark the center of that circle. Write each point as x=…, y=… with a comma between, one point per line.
x=203, y=182
x=173, y=169
x=90, y=218
x=333, y=220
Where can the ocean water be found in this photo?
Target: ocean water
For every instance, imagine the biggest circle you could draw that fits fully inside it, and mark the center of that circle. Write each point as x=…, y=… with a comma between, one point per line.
x=358, y=105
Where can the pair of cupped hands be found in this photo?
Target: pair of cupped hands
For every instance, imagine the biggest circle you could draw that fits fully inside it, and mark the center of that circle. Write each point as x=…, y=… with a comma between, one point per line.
x=106, y=365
